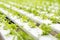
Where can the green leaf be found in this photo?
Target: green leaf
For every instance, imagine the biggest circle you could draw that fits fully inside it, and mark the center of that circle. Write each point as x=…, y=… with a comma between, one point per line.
x=46, y=29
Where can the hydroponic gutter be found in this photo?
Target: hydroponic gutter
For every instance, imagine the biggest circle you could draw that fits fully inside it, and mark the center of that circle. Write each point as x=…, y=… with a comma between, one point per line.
x=34, y=18
x=30, y=15
x=30, y=31
x=55, y=27
x=13, y=19
x=35, y=33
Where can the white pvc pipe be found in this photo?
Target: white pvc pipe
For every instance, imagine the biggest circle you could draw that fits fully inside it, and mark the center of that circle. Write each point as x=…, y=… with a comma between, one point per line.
x=30, y=15
x=11, y=17
x=34, y=33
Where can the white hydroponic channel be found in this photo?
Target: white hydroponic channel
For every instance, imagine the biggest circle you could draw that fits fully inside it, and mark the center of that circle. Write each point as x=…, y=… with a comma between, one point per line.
x=34, y=32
